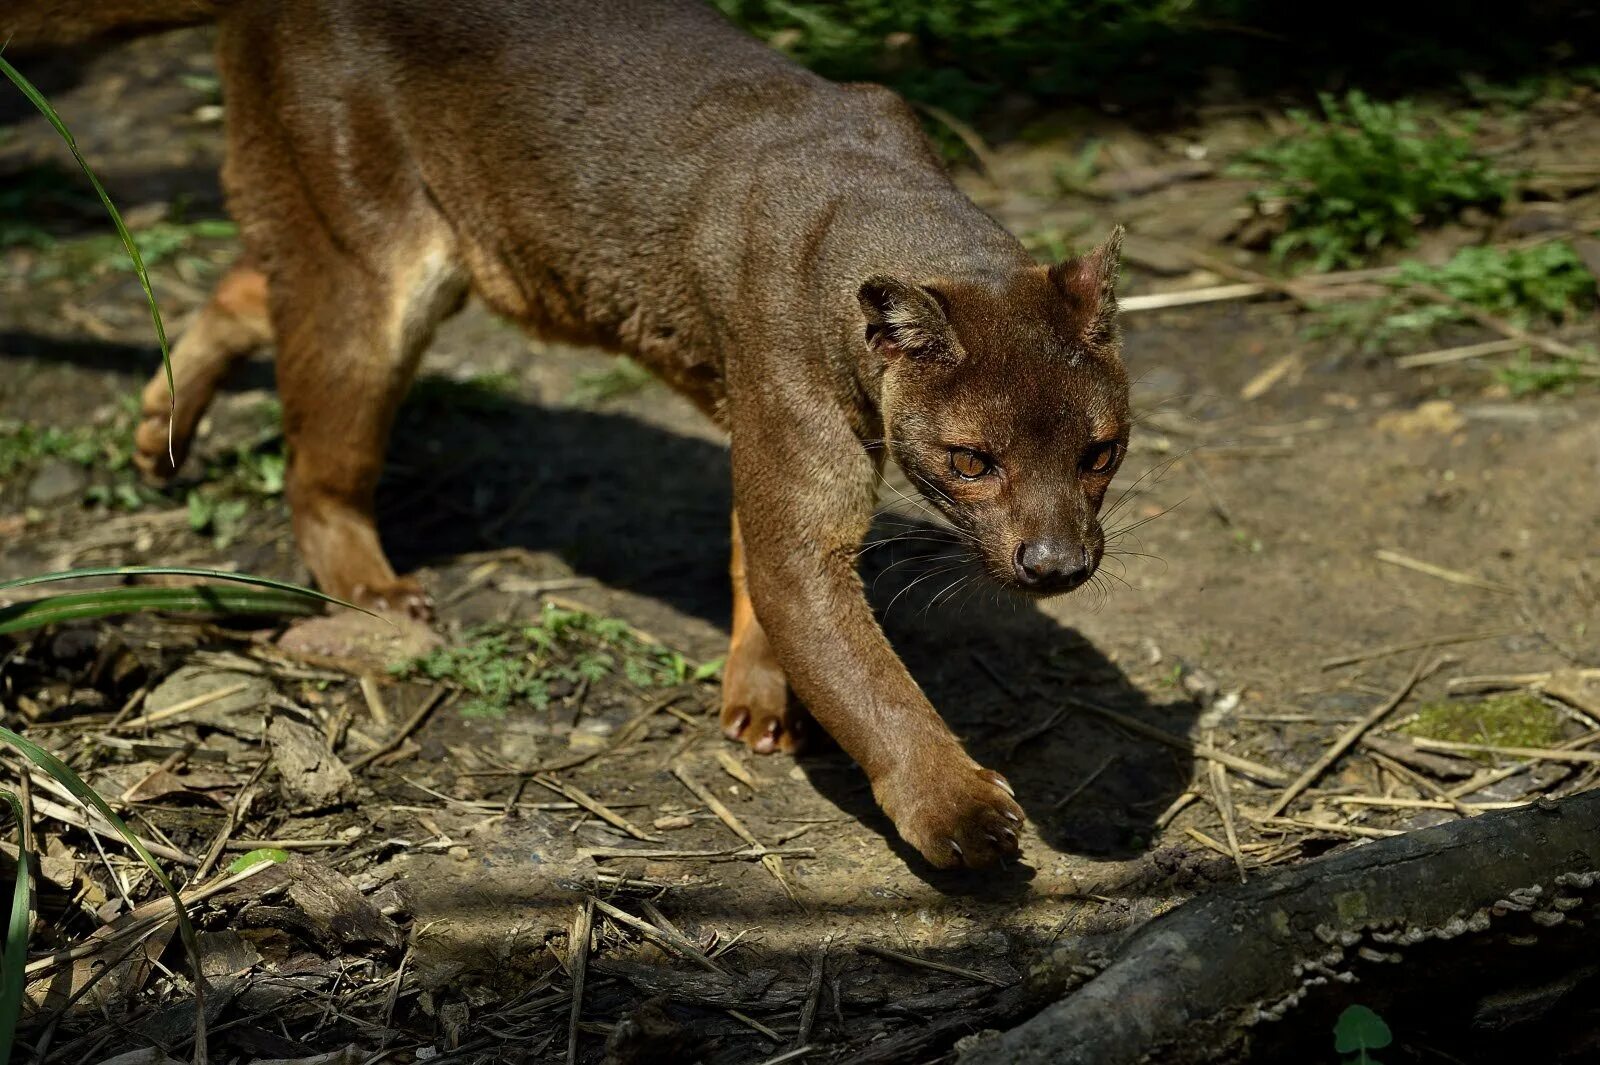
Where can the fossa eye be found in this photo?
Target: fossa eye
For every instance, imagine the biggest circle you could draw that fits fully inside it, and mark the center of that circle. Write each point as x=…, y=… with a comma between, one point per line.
x=968, y=464
x=1102, y=458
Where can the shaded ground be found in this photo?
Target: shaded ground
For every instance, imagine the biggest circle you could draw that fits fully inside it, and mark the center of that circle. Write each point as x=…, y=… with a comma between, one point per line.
x=1275, y=468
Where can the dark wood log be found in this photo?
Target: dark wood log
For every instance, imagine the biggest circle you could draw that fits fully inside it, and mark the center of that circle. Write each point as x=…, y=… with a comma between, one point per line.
x=1205, y=980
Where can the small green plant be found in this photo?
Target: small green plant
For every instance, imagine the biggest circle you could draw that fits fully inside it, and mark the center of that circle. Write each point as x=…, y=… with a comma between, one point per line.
x=23, y=446
x=500, y=666
x=1542, y=285
x=623, y=377
x=1357, y=1031
x=1524, y=377
x=88, y=257
x=1364, y=175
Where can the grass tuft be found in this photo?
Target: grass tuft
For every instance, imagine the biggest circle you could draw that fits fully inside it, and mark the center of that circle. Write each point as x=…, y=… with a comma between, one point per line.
x=1364, y=175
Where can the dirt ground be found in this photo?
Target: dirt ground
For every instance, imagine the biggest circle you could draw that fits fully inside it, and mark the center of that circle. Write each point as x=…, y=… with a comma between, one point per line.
x=1278, y=471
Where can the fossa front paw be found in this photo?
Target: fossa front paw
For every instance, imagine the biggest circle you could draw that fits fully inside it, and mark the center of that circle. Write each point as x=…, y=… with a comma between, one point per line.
x=955, y=812
x=403, y=596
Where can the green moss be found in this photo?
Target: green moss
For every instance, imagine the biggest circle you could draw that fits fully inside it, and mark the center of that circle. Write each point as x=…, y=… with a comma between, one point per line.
x=1516, y=719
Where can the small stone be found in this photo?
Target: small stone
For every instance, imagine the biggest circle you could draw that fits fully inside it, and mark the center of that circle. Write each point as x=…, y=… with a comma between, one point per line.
x=672, y=822
x=460, y=854
x=56, y=482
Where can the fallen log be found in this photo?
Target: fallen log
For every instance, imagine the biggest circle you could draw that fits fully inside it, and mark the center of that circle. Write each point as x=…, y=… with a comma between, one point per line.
x=1492, y=920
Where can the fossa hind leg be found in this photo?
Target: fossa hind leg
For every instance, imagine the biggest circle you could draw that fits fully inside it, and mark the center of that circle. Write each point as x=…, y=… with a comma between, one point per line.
x=360, y=268
x=349, y=343
x=232, y=324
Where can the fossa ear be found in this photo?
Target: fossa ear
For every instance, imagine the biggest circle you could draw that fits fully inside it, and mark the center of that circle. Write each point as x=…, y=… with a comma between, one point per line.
x=906, y=320
x=1089, y=283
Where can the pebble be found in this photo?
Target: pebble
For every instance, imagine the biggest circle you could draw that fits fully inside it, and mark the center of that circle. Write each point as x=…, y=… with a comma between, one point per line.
x=56, y=482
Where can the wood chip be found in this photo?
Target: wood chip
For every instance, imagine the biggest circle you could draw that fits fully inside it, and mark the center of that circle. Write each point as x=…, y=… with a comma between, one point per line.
x=731, y=766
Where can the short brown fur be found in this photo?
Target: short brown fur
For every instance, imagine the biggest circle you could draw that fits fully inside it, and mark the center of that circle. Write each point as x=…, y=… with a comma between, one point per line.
x=640, y=176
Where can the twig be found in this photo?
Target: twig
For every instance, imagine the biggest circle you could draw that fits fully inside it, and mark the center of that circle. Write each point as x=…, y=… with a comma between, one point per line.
x=730, y=765
x=1422, y=804
x=156, y=910
x=789, y=1055
x=622, y=736
x=772, y=862
x=168, y=712
x=1223, y=798
x=1254, y=770
x=1213, y=497
x=745, y=1018
x=1415, y=645
x=594, y=806
x=968, y=136
x=1157, y=301
x=1548, y=345
x=1208, y=842
x=936, y=966
x=1326, y=826
x=1421, y=783
x=1345, y=742
x=241, y=801
x=1060, y=803
x=56, y=812
x=1396, y=558
x=580, y=968
x=1538, y=754
x=1442, y=356
x=1178, y=805
x=740, y=854
x=667, y=938
x=374, y=700
x=413, y=723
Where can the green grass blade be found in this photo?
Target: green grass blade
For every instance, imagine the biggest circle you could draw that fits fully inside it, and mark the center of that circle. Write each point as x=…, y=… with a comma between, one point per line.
x=36, y=98
x=109, y=602
x=62, y=774
x=174, y=571
x=13, y=963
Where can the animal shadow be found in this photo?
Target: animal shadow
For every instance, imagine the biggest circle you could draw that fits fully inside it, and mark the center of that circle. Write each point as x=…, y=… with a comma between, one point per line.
x=646, y=509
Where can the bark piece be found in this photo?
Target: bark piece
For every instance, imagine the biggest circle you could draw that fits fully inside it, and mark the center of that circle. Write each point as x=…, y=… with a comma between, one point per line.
x=311, y=774
x=327, y=910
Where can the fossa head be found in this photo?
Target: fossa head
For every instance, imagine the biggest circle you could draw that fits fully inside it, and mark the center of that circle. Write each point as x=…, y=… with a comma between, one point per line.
x=1005, y=402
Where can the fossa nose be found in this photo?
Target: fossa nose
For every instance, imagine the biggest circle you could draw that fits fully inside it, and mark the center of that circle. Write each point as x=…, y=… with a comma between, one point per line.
x=1051, y=566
